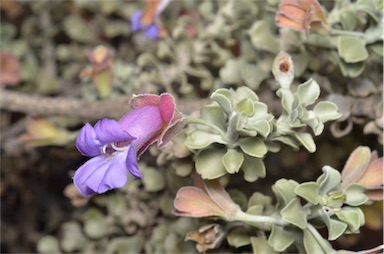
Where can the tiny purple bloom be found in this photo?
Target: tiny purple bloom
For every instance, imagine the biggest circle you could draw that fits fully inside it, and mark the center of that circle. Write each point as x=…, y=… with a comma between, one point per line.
x=148, y=20
x=151, y=31
x=115, y=145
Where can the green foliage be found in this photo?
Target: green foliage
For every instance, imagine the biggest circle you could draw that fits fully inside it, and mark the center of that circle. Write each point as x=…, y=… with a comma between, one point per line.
x=211, y=46
x=237, y=129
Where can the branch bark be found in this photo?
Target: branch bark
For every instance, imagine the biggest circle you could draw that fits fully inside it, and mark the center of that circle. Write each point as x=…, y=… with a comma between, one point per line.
x=36, y=105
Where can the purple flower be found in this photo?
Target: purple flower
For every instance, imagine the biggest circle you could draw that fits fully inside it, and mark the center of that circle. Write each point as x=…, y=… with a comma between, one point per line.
x=148, y=19
x=151, y=31
x=115, y=145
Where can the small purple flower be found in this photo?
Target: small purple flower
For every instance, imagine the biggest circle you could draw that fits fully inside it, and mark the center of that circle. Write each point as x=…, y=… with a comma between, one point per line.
x=115, y=145
x=148, y=19
x=151, y=31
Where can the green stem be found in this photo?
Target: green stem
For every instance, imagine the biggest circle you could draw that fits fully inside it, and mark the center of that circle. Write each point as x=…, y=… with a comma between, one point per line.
x=194, y=120
x=246, y=217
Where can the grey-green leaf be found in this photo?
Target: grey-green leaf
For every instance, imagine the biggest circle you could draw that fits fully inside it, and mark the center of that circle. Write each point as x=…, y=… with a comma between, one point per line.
x=326, y=111
x=253, y=168
x=295, y=214
x=309, y=191
x=315, y=243
x=253, y=146
x=223, y=98
x=308, y=92
x=306, y=140
x=261, y=246
x=329, y=180
x=352, y=48
x=280, y=239
x=209, y=165
x=200, y=139
x=48, y=244
x=355, y=195
x=95, y=225
x=232, y=161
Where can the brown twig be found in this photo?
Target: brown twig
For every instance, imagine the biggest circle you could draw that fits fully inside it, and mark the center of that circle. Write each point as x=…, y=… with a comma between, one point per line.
x=53, y=106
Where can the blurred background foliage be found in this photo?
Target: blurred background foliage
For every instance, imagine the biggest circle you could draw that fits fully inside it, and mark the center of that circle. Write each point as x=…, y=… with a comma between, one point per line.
x=86, y=50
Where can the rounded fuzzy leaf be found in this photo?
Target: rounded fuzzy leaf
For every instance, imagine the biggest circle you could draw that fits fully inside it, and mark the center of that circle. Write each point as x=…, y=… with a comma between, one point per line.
x=329, y=180
x=308, y=92
x=232, y=161
x=262, y=37
x=237, y=238
x=253, y=146
x=355, y=195
x=253, y=168
x=352, y=48
x=315, y=243
x=335, y=228
x=309, y=191
x=201, y=139
x=307, y=141
x=95, y=225
x=280, y=239
x=246, y=107
x=295, y=214
x=352, y=70
x=153, y=180
x=260, y=245
x=284, y=191
x=354, y=217
x=244, y=92
x=209, y=165
x=133, y=244
x=72, y=239
x=262, y=127
x=229, y=74
x=348, y=19
x=48, y=244
x=326, y=111
x=214, y=114
x=223, y=98
x=286, y=99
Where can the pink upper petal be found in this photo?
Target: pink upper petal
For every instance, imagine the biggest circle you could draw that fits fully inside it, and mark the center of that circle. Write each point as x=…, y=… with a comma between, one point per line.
x=167, y=106
x=143, y=100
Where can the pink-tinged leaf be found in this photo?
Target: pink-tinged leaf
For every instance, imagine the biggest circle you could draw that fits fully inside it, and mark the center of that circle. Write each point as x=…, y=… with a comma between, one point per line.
x=293, y=12
x=167, y=107
x=374, y=156
x=218, y=194
x=283, y=21
x=193, y=202
x=373, y=176
x=374, y=195
x=356, y=164
x=143, y=100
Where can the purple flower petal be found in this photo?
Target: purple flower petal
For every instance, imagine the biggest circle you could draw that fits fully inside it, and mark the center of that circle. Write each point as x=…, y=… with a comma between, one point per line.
x=108, y=131
x=143, y=123
x=136, y=21
x=131, y=163
x=101, y=174
x=86, y=141
x=152, y=31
